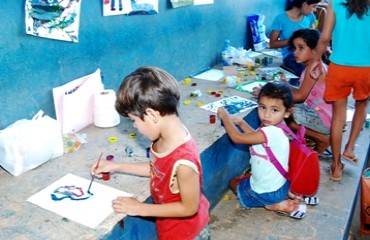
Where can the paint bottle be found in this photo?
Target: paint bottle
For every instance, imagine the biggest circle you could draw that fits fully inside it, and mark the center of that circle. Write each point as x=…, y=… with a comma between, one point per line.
x=106, y=175
x=212, y=119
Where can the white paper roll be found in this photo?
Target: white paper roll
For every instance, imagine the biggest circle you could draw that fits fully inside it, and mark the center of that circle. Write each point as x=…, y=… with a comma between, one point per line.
x=105, y=114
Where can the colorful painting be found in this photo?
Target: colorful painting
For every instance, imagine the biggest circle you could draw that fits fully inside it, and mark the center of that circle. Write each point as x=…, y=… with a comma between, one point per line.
x=181, y=3
x=130, y=7
x=233, y=105
x=69, y=198
x=55, y=19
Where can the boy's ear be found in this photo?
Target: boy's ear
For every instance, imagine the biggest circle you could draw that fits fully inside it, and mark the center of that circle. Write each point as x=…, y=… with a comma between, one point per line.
x=152, y=114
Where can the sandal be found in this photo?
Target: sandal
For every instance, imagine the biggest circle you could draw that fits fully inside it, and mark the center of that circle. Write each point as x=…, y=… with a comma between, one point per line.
x=311, y=201
x=298, y=214
x=353, y=160
x=336, y=179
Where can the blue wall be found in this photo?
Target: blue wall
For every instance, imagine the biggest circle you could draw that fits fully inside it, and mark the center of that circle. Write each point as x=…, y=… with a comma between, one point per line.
x=181, y=41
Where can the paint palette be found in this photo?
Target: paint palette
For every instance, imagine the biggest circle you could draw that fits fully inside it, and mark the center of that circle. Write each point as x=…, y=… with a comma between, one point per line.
x=90, y=210
x=233, y=105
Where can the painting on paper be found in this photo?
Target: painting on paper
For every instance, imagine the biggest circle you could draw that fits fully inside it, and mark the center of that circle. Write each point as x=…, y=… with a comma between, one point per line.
x=69, y=197
x=182, y=3
x=130, y=7
x=55, y=19
x=233, y=105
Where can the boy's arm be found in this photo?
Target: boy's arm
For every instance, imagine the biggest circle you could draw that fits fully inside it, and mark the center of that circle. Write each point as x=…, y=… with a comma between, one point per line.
x=139, y=169
x=189, y=187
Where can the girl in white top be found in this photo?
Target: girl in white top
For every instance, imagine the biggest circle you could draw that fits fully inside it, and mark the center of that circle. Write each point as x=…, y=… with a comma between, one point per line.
x=266, y=187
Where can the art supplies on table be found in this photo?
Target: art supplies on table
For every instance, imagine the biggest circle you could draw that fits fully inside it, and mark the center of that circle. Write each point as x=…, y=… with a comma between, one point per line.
x=233, y=105
x=248, y=87
x=68, y=198
x=271, y=71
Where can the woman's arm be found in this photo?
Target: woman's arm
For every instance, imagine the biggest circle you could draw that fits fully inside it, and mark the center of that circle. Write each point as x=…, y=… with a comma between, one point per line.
x=275, y=42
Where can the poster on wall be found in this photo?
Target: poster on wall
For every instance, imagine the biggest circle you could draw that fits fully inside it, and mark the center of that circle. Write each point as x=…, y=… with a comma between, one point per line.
x=53, y=19
x=202, y=2
x=129, y=7
x=183, y=3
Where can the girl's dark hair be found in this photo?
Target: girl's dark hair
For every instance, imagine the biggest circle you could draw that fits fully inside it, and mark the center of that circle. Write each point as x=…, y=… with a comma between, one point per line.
x=298, y=3
x=277, y=90
x=148, y=87
x=309, y=36
x=358, y=7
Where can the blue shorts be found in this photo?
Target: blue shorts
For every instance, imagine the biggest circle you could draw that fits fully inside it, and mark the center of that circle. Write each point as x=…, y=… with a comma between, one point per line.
x=250, y=199
x=309, y=118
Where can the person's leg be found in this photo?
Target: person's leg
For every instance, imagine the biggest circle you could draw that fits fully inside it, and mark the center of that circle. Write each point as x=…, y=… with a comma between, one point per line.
x=322, y=140
x=358, y=120
x=338, y=121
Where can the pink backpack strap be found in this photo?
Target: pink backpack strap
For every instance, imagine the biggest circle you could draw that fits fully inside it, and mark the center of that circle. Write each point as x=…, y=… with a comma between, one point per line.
x=275, y=162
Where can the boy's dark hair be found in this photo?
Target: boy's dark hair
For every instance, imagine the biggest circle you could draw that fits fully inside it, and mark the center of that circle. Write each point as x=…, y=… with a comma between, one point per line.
x=277, y=90
x=298, y=3
x=148, y=87
x=309, y=36
x=358, y=7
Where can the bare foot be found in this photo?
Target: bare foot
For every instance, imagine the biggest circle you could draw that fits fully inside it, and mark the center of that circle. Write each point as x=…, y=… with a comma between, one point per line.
x=287, y=206
x=336, y=172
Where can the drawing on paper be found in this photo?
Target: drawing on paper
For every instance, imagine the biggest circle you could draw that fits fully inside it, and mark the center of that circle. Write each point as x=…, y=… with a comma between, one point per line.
x=71, y=192
x=233, y=105
x=55, y=19
x=130, y=7
x=68, y=198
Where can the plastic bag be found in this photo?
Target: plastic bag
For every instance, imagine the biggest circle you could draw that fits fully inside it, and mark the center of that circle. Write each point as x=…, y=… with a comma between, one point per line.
x=26, y=144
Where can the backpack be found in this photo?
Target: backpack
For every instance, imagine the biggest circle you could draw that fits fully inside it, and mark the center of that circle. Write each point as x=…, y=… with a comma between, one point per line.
x=304, y=164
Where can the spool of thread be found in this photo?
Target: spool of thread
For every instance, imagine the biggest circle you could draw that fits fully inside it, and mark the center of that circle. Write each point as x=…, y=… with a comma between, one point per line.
x=105, y=114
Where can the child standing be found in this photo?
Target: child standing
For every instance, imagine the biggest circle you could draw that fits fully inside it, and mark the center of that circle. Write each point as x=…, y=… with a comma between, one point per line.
x=298, y=15
x=149, y=97
x=346, y=26
x=266, y=187
x=310, y=109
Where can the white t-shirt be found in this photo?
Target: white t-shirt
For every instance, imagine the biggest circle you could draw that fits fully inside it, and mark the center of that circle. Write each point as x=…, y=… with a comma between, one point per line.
x=265, y=177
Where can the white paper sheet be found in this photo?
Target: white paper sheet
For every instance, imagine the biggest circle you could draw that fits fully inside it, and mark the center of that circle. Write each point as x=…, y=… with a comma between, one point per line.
x=248, y=87
x=211, y=75
x=233, y=105
x=89, y=212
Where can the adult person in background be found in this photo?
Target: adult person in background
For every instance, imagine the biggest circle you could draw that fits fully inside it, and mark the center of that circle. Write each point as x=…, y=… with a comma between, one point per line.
x=298, y=15
x=347, y=27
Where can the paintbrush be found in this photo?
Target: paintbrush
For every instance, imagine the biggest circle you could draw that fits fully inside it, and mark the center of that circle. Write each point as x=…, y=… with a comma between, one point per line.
x=93, y=176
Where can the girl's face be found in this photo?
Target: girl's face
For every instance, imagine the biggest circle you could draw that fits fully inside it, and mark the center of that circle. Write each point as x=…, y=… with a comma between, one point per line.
x=146, y=127
x=271, y=111
x=307, y=9
x=302, y=52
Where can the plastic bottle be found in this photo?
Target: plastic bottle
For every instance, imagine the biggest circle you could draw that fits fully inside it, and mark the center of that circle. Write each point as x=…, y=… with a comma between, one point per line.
x=225, y=54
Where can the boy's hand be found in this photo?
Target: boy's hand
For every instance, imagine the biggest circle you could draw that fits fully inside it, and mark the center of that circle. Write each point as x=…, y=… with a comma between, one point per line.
x=127, y=205
x=104, y=166
x=256, y=91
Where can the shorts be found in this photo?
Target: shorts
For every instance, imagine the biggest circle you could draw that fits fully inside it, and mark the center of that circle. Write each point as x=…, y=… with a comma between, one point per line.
x=309, y=118
x=249, y=198
x=341, y=80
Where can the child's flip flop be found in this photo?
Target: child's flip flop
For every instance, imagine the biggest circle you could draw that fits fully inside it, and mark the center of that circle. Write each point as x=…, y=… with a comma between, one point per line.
x=298, y=214
x=312, y=201
x=353, y=160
